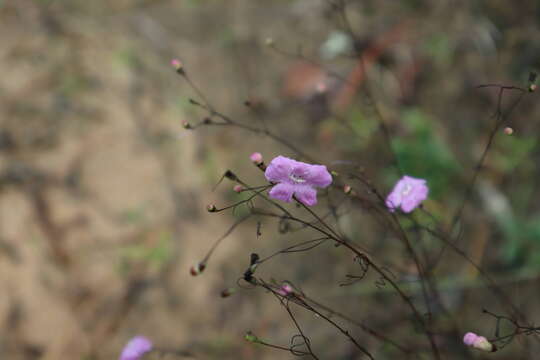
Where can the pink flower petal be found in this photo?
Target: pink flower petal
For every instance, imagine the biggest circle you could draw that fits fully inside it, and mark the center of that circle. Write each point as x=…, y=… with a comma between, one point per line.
x=409, y=203
x=306, y=195
x=279, y=169
x=319, y=176
x=393, y=201
x=282, y=191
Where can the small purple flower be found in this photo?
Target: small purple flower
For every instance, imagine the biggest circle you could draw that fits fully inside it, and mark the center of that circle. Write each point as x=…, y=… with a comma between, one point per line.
x=408, y=193
x=135, y=348
x=296, y=178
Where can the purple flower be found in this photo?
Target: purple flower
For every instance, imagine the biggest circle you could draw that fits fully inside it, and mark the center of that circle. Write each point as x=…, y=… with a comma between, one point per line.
x=135, y=348
x=408, y=193
x=296, y=178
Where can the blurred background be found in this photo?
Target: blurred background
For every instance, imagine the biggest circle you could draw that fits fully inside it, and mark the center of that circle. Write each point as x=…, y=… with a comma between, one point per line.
x=103, y=192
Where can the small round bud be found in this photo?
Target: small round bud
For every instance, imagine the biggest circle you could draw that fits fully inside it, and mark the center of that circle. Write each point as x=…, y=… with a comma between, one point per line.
x=347, y=189
x=178, y=66
x=238, y=188
x=469, y=338
x=256, y=158
x=186, y=125
x=211, y=208
x=478, y=342
x=230, y=175
x=269, y=41
x=285, y=289
x=251, y=337
x=197, y=269
x=227, y=292
x=481, y=343
x=508, y=130
x=334, y=173
x=532, y=87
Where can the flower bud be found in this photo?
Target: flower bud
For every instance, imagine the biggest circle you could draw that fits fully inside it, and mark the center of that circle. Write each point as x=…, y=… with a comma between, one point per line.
x=508, y=130
x=269, y=41
x=481, y=343
x=238, y=188
x=197, y=269
x=532, y=87
x=178, y=66
x=478, y=342
x=230, y=175
x=227, y=292
x=347, y=189
x=251, y=337
x=285, y=290
x=256, y=158
x=211, y=208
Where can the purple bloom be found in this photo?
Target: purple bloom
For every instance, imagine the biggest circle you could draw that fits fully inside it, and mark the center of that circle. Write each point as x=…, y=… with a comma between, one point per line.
x=135, y=348
x=408, y=193
x=296, y=178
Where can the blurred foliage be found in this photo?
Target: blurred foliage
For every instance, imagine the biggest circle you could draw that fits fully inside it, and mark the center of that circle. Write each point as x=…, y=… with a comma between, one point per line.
x=514, y=152
x=439, y=49
x=154, y=254
x=422, y=153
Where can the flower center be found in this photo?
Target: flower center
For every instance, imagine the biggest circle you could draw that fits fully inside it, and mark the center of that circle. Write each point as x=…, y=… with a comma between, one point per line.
x=406, y=190
x=297, y=176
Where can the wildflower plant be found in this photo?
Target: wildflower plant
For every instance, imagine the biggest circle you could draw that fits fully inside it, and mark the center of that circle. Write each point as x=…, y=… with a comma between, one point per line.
x=304, y=196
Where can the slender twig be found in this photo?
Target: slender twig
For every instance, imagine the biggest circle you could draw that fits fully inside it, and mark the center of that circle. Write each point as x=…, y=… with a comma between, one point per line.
x=501, y=119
